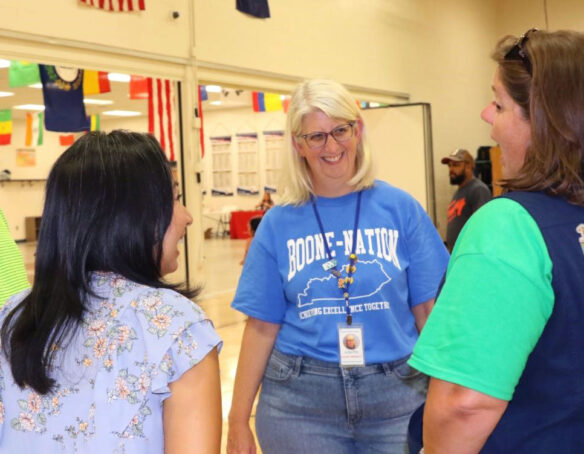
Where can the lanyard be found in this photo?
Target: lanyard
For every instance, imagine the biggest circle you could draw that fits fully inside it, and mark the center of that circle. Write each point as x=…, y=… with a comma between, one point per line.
x=344, y=283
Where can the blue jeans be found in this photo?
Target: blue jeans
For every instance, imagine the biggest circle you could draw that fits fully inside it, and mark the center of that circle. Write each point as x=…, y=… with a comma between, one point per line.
x=312, y=406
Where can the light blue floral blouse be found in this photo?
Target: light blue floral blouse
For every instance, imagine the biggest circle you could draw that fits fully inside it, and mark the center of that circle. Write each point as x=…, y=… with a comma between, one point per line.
x=112, y=376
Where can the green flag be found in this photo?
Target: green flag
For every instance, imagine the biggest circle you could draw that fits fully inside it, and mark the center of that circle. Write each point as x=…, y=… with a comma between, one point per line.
x=22, y=73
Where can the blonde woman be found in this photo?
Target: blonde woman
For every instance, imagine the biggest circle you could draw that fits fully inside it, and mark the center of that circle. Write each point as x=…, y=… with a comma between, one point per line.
x=342, y=256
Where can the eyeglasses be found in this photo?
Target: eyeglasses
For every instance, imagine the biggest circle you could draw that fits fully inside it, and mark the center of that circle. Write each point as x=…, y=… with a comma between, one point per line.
x=518, y=52
x=318, y=140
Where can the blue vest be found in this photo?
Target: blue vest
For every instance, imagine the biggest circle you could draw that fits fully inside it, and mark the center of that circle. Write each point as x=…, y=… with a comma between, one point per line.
x=546, y=414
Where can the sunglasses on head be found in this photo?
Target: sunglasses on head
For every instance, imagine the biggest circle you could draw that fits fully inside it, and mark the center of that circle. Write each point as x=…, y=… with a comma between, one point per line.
x=518, y=52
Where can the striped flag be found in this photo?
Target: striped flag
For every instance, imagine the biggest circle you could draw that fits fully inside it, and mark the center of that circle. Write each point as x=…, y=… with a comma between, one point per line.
x=34, y=129
x=95, y=82
x=161, y=118
x=257, y=98
x=117, y=5
x=5, y=126
x=94, y=123
x=266, y=102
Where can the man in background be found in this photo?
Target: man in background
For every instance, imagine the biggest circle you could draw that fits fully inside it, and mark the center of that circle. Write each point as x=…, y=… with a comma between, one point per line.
x=13, y=277
x=472, y=193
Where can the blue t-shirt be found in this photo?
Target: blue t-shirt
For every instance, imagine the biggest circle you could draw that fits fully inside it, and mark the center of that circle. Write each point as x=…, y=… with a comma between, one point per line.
x=401, y=260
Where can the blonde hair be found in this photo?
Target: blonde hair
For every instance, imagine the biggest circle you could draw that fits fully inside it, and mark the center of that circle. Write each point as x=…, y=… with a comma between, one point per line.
x=336, y=102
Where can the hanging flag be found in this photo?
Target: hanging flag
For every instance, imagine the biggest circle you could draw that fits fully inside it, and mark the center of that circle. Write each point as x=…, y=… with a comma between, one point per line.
x=94, y=122
x=256, y=8
x=272, y=102
x=138, y=87
x=161, y=105
x=203, y=96
x=23, y=73
x=34, y=129
x=95, y=82
x=257, y=98
x=286, y=104
x=202, y=92
x=66, y=140
x=63, y=95
x=117, y=5
x=5, y=126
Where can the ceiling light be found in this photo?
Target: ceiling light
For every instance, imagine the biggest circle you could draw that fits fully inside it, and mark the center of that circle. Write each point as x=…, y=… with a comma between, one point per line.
x=97, y=102
x=4, y=63
x=30, y=107
x=118, y=77
x=374, y=104
x=4, y=94
x=216, y=103
x=122, y=113
x=213, y=88
x=37, y=85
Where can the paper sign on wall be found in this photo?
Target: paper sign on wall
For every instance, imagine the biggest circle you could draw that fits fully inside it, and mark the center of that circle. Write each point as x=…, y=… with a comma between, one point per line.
x=26, y=157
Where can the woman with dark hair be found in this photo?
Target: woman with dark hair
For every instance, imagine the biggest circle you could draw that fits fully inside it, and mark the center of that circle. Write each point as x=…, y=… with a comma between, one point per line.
x=504, y=344
x=102, y=355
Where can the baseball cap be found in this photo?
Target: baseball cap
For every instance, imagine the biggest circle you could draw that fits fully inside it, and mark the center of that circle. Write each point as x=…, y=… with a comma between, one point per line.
x=458, y=155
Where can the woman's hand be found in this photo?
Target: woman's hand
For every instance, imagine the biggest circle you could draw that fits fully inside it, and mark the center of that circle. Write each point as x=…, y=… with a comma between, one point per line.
x=256, y=345
x=240, y=439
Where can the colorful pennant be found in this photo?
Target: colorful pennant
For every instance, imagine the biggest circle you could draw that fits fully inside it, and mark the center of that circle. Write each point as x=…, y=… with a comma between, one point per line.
x=5, y=126
x=161, y=105
x=117, y=5
x=95, y=82
x=22, y=73
x=138, y=87
x=34, y=129
x=66, y=140
x=94, y=123
x=266, y=102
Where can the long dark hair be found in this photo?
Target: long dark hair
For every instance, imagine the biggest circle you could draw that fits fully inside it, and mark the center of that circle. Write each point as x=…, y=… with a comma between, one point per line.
x=109, y=201
x=552, y=99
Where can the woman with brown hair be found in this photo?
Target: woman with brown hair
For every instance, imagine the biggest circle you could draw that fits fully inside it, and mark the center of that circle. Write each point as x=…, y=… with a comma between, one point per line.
x=504, y=344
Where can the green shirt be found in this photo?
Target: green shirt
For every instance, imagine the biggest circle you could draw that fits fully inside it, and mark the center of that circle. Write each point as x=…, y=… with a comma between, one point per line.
x=494, y=305
x=13, y=277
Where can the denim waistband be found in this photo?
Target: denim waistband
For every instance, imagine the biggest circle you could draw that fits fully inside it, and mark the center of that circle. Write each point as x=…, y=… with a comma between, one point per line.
x=308, y=365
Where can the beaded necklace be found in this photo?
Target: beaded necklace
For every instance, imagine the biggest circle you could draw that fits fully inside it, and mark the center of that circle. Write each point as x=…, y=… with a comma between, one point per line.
x=331, y=265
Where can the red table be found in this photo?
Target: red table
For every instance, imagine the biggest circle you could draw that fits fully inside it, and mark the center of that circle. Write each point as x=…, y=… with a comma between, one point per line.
x=239, y=222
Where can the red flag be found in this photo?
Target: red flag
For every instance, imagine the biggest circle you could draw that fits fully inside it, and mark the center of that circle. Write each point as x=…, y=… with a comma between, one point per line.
x=117, y=5
x=286, y=104
x=161, y=105
x=138, y=87
x=66, y=140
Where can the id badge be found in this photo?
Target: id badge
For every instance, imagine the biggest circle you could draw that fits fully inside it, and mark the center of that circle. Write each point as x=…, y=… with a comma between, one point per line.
x=351, y=348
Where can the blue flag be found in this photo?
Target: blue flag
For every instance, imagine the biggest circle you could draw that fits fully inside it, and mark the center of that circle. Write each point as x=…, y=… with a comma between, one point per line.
x=63, y=95
x=256, y=8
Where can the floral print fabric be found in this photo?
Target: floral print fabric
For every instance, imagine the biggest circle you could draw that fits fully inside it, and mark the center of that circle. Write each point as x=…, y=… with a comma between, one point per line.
x=112, y=375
